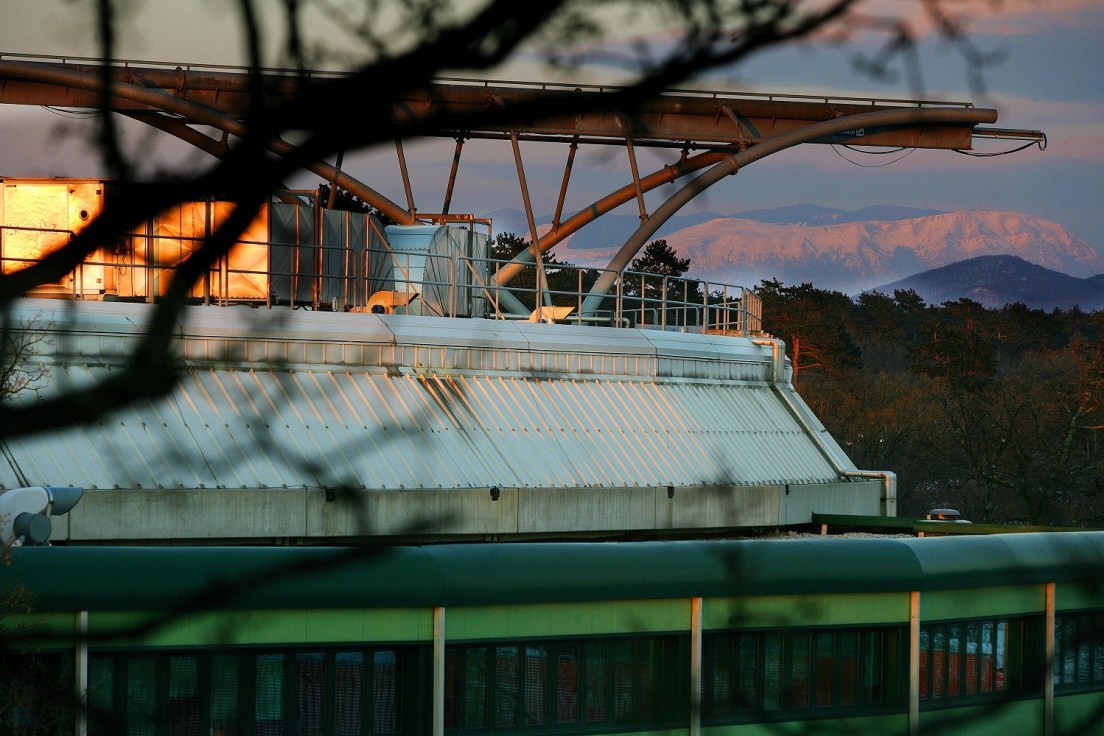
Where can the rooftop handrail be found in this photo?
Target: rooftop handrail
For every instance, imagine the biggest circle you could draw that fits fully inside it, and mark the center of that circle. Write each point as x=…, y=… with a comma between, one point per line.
x=338, y=278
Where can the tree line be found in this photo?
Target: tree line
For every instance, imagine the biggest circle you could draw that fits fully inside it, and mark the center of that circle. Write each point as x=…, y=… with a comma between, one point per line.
x=995, y=412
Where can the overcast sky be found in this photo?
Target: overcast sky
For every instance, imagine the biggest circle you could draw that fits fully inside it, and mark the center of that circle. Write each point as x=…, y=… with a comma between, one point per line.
x=1050, y=79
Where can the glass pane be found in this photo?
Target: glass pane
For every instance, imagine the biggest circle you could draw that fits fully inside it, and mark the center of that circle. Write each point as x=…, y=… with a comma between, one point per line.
x=970, y=663
x=924, y=646
x=799, y=672
x=349, y=693
x=476, y=686
x=938, y=661
x=506, y=686
x=535, y=685
x=717, y=664
x=225, y=717
x=988, y=642
x=1067, y=648
x=310, y=691
x=848, y=667
x=825, y=669
x=595, y=708
x=749, y=685
x=1001, y=655
x=453, y=685
x=772, y=671
x=624, y=690
x=101, y=695
x=567, y=684
x=872, y=649
x=1084, y=649
x=183, y=696
x=141, y=696
x=269, y=710
x=1097, y=638
x=954, y=666
x=647, y=666
x=385, y=691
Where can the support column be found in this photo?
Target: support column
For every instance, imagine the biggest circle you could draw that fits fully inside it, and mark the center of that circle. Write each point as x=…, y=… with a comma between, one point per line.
x=914, y=664
x=81, y=721
x=695, y=665
x=1048, y=663
x=439, y=671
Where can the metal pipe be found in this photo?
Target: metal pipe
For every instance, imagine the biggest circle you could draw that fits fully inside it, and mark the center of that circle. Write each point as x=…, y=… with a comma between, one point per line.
x=563, y=185
x=406, y=178
x=452, y=175
x=541, y=285
x=636, y=179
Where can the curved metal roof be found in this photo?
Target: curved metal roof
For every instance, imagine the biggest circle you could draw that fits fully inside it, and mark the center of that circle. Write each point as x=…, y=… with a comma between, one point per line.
x=166, y=578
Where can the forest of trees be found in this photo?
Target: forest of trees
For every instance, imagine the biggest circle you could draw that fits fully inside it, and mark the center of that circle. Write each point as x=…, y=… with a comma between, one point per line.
x=997, y=413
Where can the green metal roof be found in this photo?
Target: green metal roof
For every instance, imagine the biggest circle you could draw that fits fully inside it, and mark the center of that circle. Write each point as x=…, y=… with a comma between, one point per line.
x=164, y=578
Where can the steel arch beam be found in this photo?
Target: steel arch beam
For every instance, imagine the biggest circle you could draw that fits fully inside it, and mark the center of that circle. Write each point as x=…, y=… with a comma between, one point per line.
x=158, y=100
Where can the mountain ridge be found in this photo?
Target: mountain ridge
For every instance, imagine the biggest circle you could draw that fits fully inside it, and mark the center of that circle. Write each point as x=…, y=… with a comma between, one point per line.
x=996, y=281
x=848, y=251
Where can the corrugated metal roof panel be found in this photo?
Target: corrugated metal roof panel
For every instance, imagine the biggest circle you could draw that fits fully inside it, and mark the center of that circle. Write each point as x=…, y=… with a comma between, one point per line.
x=256, y=429
x=395, y=402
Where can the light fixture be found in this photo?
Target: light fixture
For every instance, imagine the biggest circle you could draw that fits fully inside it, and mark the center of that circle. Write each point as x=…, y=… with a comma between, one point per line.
x=24, y=512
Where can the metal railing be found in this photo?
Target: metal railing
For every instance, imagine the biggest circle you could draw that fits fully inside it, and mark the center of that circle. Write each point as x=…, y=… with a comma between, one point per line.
x=388, y=280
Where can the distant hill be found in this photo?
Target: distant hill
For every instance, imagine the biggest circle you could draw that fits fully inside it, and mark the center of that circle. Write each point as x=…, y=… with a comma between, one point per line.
x=994, y=281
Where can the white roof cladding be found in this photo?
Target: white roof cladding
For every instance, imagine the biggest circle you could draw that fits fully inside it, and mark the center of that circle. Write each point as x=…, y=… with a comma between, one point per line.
x=298, y=399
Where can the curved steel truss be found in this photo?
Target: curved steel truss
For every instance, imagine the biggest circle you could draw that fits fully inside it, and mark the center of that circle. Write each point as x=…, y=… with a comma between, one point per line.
x=726, y=130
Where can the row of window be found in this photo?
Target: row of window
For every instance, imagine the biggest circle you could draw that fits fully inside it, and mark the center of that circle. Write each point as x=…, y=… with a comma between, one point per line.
x=571, y=685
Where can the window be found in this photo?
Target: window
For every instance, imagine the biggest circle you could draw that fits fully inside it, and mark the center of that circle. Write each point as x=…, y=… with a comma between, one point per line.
x=983, y=659
x=267, y=693
x=750, y=675
x=547, y=685
x=1079, y=651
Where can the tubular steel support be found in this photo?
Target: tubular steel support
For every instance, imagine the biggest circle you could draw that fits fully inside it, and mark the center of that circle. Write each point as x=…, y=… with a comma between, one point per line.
x=333, y=185
x=541, y=282
x=452, y=175
x=406, y=179
x=636, y=180
x=563, y=185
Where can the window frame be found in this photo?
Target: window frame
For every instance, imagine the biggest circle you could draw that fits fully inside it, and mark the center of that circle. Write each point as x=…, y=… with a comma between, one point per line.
x=1017, y=660
x=878, y=655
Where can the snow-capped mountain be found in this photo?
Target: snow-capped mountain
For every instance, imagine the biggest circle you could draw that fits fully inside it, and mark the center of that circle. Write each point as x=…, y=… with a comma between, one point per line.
x=850, y=254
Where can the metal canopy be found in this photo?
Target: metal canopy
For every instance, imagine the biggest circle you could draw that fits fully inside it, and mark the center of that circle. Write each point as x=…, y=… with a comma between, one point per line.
x=673, y=119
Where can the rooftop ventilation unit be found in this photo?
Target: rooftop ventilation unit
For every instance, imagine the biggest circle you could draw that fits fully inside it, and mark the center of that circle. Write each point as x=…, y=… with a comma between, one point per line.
x=436, y=270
